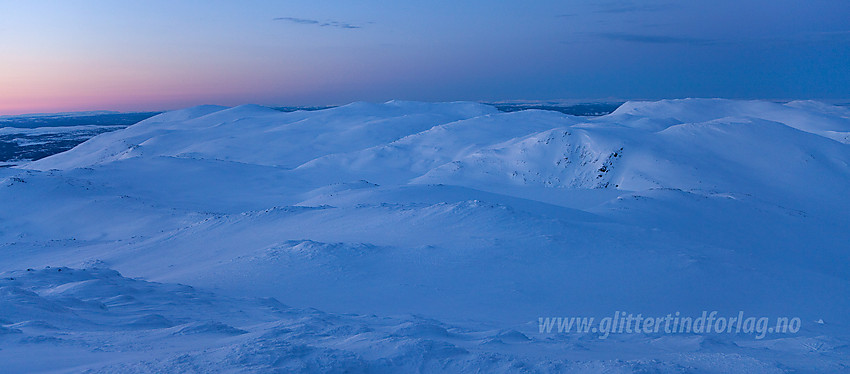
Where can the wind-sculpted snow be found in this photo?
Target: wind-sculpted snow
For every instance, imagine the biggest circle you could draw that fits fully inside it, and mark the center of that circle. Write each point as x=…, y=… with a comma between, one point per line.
x=95, y=320
x=432, y=237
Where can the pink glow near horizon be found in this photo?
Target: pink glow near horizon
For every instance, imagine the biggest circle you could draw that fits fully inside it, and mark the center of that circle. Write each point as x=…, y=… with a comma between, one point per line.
x=158, y=54
x=54, y=87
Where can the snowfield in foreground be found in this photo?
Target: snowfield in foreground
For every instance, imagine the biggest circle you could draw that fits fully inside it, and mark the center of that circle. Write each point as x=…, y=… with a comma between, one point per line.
x=432, y=237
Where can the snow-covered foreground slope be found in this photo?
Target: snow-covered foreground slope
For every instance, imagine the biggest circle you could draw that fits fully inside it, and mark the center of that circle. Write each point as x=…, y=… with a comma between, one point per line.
x=432, y=237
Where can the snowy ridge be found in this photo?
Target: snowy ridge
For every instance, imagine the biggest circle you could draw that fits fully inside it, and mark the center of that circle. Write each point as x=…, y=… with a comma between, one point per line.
x=424, y=143
x=234, y=134
x=553, y=158
x=432, y=236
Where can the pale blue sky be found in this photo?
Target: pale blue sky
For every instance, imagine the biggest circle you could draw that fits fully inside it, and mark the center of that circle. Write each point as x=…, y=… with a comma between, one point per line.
x=128, y=55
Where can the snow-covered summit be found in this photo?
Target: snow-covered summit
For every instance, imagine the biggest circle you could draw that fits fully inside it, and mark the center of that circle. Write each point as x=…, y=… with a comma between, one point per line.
x=811, y=116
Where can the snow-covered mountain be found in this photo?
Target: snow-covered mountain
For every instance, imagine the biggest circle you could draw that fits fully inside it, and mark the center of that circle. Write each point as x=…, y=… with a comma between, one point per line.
x=431, y=237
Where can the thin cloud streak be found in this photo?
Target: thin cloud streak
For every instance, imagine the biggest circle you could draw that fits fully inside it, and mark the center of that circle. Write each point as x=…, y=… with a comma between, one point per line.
x=633, y=7
x=655, y=39
x=306, y=21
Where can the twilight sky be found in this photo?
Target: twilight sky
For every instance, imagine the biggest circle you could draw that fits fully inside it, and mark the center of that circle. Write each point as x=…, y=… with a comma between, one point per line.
x=138, y=55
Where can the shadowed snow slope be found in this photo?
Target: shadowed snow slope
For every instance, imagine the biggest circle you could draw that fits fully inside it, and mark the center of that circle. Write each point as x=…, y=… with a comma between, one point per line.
x=432, y=236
